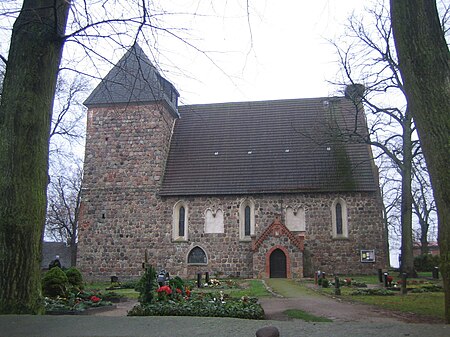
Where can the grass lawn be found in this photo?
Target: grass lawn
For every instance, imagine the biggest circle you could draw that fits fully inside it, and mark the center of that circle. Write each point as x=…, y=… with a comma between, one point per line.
x=251, y=288
x=289, y=288
x=427, y=303
x=101, y=287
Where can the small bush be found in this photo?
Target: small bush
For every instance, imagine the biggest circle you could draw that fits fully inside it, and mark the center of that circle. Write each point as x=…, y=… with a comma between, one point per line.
x=146, y=286
x=55, y=283
x=372, y=292
x=74, y=277
x=359, y=284
x=176, y=283
x=426, y=262
x=325, y=283
x=432, y=288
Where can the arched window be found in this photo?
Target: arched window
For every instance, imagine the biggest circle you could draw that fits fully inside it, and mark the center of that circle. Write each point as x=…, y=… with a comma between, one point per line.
x=246, y=220
x=339, y=218
x=197, y=256
x=180, y=221
x=181, y=216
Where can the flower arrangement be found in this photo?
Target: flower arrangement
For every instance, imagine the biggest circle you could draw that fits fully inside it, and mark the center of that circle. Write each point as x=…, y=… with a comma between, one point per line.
x=74, y=302
x=95, y=299
x=164, y=289
x=389, y=280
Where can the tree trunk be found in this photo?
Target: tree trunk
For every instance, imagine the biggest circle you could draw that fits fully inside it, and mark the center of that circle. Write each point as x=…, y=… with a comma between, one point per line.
x=25, y=111
x=424, y=237
x=424, y=62
x=407, y=260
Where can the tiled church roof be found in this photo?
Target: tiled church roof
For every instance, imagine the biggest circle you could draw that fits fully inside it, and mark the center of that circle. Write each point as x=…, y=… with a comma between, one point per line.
x=268, y=147
x=134, y=79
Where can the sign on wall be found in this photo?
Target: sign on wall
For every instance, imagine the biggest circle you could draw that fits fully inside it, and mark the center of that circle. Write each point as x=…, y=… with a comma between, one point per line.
x=368, y=255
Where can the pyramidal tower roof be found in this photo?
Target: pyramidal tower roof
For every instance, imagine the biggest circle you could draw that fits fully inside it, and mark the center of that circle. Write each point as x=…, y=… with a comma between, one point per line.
x=134, y=79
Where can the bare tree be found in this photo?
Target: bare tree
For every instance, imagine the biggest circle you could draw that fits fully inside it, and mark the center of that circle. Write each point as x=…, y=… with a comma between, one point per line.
x=424, y=206
x=367, y=55
x=67, y=134
x=64, y=197
x=425, y=68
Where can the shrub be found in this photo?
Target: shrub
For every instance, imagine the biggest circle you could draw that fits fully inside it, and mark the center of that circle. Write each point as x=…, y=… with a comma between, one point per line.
x=357, y=284
x=146, y=285
x=55, y=283
x=426, y=262
x=74, y=277
x=203, y=307
x=432, y=288
x=176, y=283
x=325, y=283
x=372, y=292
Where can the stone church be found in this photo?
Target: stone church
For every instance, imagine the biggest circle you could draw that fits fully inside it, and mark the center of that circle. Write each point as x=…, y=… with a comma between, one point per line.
x=243, y=189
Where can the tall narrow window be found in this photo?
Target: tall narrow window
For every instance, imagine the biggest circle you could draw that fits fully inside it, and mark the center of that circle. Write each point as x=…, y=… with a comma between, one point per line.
x=339, y=219
x=181, y=221
x=247, y=221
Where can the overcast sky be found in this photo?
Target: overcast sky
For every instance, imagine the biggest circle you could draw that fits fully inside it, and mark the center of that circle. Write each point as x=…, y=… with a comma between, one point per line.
x=279, y=50
x=288, y=55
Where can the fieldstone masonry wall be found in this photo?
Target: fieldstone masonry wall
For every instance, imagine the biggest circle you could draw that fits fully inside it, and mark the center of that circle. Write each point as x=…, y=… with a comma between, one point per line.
x=123, y=216
x=117, y=246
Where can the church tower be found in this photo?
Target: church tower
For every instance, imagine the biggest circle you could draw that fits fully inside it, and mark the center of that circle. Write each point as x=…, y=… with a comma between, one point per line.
x=130, y=119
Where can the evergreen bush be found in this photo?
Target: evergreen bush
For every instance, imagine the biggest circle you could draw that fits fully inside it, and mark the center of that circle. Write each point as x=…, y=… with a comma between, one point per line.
x=426, y=262
x=325, y=283
x=55, y=283
x=147, y=285
x=75, y=278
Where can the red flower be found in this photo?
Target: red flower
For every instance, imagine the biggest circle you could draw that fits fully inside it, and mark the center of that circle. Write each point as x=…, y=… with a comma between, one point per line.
x=95, y=299
x=188, y=292
x=178, y=291
x=165, y=289
x=390, y=279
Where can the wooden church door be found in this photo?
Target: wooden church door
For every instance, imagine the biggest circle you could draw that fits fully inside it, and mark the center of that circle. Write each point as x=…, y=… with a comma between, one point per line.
x=278, y=264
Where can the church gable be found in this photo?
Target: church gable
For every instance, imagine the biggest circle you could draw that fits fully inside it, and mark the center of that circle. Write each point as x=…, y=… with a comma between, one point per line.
x=278, y=230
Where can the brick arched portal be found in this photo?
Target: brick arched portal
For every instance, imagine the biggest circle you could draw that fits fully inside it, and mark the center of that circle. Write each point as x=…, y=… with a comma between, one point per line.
x=288, y=260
